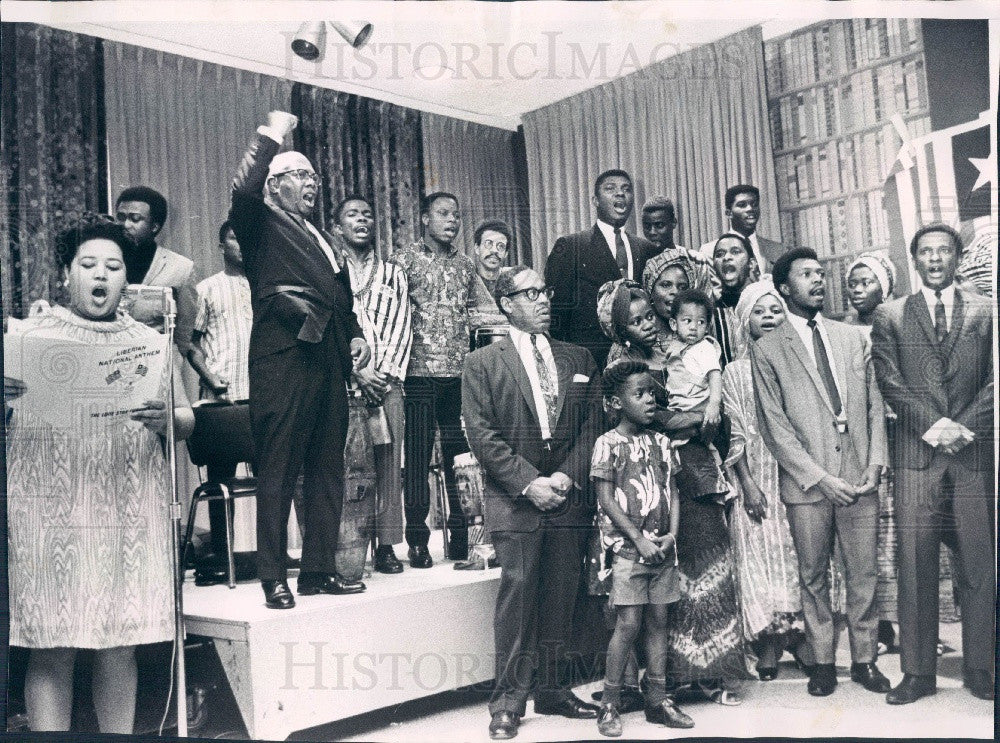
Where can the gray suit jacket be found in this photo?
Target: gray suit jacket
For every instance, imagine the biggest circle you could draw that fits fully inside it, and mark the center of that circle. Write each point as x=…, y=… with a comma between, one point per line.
x=794, y=411
x=923, y=382
x=176, y=271
x=501, y=425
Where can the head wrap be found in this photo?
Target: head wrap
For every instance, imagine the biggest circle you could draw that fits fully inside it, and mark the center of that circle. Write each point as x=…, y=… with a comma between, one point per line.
x=748, y=298
x=656, y=265
x=613, y=301
x=881, y=266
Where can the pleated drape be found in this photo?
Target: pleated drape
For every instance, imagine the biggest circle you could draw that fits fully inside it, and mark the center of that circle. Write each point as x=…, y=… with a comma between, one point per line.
x=366, y=147
x=477, y=163
x=685, y=128
x=52, y=156
x=180, y=125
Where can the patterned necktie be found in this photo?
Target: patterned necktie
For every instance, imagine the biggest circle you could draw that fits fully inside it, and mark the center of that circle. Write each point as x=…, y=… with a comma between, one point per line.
x=823, y=365
x=940, y=319
x=545, y=381
x=621, y=254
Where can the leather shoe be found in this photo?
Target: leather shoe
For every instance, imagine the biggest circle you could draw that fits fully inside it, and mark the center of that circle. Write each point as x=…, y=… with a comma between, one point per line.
x=868, y=675
x=823, y=680
x=767, y=673
x=312, y=583
x=504, y=725
x=420, y=557
x=570, y=706
x=206, y=576
x=609, y=723
x=476, y=562
x=386, y=560
x=980, y=685
x=277, y=594
x=631, y=699
x=912, y=688
x=668, y=713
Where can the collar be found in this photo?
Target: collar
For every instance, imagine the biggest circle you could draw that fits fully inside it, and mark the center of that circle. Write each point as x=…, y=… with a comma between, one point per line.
x=947, y=295
x=519, y=337
x=609, y=232
x=801, y=325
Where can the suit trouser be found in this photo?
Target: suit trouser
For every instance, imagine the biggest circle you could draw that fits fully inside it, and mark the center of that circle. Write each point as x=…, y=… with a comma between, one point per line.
x=433, y=403
x=389, y=480
x=813, y=527
x=539, y=579
x=947, y=502
x=298, y=414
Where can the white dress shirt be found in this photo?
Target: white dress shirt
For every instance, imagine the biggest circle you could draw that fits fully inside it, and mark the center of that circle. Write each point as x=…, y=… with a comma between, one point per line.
x=522, y=342
x=609, y=236
x=801, y=326
x=947, y=297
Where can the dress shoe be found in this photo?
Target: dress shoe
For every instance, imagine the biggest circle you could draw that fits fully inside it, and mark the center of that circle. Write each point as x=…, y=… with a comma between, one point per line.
x=668, y=713
x=420, y=557
x=767, y=673
x=868, y=675
x=386, y=560
x=609, y=723
x=979, y=684
x=312, y=583
x=823, y=680
x=912, y=688
x=476, y=562
x=630, y=700
x=570, y=706
x=504, y=724
x=207, y=576
x=277, y=594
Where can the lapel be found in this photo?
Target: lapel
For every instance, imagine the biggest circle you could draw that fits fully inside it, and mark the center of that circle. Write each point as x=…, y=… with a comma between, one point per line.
x=565, y=376
x=601, y=262
x=795, y=343
x=916, y=310
x=157, y=265
x=511, y=358
x=957, y=321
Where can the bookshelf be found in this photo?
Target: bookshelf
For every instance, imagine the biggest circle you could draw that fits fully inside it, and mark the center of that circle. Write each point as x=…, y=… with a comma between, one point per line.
x=832, y=89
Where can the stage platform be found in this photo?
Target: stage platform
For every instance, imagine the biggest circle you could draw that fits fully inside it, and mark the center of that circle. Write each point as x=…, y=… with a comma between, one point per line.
x=409, y=635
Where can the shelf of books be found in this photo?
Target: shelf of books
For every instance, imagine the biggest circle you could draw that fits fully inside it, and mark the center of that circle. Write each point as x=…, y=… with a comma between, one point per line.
x=833, y=89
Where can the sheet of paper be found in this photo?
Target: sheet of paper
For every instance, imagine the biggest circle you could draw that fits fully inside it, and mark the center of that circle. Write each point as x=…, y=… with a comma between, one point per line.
x=76, y=385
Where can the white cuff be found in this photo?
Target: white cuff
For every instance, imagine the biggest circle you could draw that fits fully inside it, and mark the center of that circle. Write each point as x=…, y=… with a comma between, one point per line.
x=933, y=434
x=270, y=133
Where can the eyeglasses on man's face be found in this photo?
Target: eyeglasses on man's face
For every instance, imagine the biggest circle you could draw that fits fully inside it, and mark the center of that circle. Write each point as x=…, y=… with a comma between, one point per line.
x=533, y=293
x=302, y=175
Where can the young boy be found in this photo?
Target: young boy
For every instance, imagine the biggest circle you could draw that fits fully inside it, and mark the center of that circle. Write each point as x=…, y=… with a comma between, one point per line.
x=639, y=515
x=694, y=395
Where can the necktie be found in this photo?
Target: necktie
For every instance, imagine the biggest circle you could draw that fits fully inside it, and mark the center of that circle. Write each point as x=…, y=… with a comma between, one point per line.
x=940, y=319
x=546, y=383
x=823, y=365
x=621, y=254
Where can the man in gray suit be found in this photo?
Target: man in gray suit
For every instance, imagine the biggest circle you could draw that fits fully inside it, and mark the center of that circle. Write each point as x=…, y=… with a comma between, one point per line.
x=823, y=419
x=532, y=412
x=933, y=352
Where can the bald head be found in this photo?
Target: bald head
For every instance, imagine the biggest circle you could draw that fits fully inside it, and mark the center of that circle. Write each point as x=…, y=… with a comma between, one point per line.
x=292, y=183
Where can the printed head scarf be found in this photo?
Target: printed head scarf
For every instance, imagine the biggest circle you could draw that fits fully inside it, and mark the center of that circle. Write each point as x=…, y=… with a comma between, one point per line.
x=881, y=266
x=748, y=298
x=613, y=301
x=656, y=265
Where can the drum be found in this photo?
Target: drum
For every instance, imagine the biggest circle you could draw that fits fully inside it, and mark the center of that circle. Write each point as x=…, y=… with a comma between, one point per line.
x=487, y=334
x=472, y=495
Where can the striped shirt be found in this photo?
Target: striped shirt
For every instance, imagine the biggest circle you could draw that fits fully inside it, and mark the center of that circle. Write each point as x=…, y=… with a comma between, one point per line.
x=382, y=304
x=224, y=319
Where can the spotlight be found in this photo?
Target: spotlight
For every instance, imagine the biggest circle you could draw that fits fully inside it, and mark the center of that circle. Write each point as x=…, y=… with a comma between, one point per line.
x=310, y=40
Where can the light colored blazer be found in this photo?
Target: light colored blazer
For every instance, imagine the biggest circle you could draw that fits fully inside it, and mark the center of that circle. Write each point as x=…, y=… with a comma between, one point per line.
x=794, y=411
x=176, y=271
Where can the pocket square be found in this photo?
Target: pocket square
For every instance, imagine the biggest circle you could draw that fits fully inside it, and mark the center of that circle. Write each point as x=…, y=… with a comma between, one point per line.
x=581, y=378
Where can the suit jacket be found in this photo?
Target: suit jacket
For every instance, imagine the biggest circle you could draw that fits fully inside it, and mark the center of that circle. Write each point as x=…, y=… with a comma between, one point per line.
x=795, y=414
x=770, y=249
x=176, y=271
x=502, y=428
x=923, y=382
x=295, y=293
x=577, y=267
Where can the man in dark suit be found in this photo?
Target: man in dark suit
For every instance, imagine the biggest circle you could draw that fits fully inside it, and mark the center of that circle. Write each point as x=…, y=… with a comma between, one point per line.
x=822, y=417
x=742, y=203
x=304, y=344
x=933, y=354
x=580, y=263
x=532, y=412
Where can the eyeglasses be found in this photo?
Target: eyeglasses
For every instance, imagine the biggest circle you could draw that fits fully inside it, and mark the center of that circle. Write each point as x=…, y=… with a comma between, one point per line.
x=533, y=292
x=303, y=175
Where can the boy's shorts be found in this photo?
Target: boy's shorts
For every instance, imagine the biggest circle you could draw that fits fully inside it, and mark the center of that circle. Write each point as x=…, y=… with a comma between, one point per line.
x=634, y=583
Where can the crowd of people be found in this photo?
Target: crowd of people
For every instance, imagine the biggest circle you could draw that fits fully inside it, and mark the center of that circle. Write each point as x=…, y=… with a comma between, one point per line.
x=679, y=429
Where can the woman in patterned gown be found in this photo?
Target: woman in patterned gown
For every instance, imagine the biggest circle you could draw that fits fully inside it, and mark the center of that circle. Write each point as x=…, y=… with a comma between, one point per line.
x=766, y=561
x=88, y=520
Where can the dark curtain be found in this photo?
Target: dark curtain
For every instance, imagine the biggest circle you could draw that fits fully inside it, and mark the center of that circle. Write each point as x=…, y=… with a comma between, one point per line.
x=366, y=147
x=53, y=161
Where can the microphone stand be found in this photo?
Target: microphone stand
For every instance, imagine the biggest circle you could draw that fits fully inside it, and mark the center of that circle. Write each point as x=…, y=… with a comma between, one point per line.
x=169, y=321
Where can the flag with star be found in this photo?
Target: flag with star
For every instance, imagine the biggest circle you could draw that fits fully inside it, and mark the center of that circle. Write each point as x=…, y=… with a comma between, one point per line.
x=946, y=176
